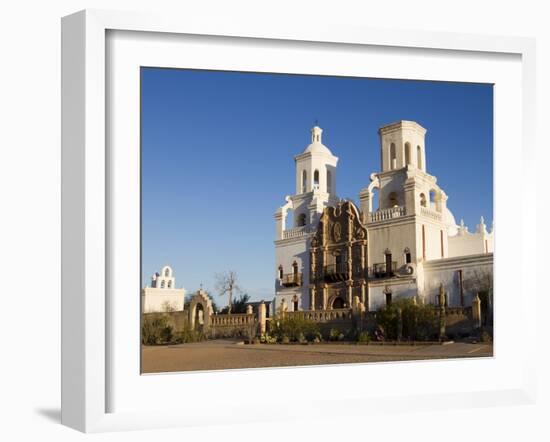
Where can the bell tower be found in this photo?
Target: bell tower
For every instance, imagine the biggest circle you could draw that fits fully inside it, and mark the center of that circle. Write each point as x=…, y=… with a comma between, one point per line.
x=401, y=145
x=316, y=167
x=315, y=190
x=410, y=224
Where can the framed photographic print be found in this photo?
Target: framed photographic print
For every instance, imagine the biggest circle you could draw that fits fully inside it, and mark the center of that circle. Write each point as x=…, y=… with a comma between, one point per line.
x=286, y=208
x=391, y=269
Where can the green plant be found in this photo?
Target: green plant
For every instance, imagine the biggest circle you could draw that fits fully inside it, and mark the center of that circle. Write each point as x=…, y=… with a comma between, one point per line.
x=267, y=339
x=315, y=337
x=485, y=336
x=334, y=334
x=295, y=329
x=156, y=330
x=418, y=322
x=363, y=337
x=188, y=335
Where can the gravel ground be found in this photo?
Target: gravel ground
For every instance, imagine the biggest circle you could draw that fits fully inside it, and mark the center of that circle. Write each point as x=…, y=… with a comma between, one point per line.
x=222, y=354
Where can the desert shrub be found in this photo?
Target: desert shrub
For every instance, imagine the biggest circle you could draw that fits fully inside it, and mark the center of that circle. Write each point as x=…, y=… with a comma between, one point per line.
x=419, y=322
x=334, y=334
x=156, y=330
x=363, y=337
x=188, y=335
x=267, y=339
x=295, y=329
x=485, y=336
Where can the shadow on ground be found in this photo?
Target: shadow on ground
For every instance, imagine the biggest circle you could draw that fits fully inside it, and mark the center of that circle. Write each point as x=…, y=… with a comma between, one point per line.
x=51, y=414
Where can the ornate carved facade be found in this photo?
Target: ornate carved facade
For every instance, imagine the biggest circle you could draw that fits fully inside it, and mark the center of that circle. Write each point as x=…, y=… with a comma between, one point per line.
x=338, y=259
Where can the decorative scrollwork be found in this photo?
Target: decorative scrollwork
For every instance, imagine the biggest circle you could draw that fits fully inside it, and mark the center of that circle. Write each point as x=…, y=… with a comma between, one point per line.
x=337, y=232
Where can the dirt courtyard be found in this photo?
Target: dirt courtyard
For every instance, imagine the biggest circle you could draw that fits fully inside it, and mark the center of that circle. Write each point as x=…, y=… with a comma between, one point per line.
x=225, y=354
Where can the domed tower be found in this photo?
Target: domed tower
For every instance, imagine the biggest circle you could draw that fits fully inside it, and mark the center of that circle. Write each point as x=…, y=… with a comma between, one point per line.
x=315, y=180
x=316, y=166
x=315, y=190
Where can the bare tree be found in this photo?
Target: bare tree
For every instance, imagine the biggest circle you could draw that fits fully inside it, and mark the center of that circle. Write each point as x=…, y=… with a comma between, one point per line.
x=480, y=280
x=226, y=284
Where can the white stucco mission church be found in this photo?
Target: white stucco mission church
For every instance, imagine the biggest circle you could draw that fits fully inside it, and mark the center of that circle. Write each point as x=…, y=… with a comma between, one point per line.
x=413, y=243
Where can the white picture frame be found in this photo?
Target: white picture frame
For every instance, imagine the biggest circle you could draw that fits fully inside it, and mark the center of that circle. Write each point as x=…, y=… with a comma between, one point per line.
x=86, y=205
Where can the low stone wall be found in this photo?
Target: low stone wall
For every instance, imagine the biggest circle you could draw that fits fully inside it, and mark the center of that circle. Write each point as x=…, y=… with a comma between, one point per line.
x=322, y=316
x=240, y=324
x=344, y=320
x=459, y=322
x=219, y=326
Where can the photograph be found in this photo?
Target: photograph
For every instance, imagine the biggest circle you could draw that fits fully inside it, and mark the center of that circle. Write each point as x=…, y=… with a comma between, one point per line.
x=302, y=220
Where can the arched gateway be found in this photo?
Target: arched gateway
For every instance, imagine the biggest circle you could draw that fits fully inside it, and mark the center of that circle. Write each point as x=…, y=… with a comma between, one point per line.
x=200, y=309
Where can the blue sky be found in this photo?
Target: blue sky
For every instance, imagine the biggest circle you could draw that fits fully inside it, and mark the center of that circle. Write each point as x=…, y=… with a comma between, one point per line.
x=218, y=158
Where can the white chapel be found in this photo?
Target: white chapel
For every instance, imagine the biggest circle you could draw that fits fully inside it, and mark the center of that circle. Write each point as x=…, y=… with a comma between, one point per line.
x=162, y=295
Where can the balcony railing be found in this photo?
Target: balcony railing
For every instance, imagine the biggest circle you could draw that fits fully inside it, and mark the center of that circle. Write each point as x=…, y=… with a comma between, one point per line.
x=381, y=270
x=296, y=232
x=359, y=271
x=291, y=280
x=385, y=214
x=336, y=272
x=431, y=213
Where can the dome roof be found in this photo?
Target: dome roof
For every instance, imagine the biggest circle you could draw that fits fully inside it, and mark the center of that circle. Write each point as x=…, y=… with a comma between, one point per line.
x=316, y=145
x=450, y=222
x=318, y=148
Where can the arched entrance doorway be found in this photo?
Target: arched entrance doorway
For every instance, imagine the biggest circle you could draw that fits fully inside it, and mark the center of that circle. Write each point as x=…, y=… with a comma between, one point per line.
x=294, y=303
x=200, y=310
x=199, y=317
x=338, y=302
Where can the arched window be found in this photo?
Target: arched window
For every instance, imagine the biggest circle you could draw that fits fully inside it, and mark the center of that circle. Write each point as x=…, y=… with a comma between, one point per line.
x=329, y=181
x=388, y=262
x=301, y=220
x=419, y=157
x=375, y=196
x=162, y=284
x=393, y=199
x=393, y=157
x=280, y=272
x=423, y=200
x=407, y=252
x=433, y=197
x=295, y=268
x=316, y=179
x=338, y=303
x=407, y=153
x=304, y=181
x=167, y=272
x=169, y=284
